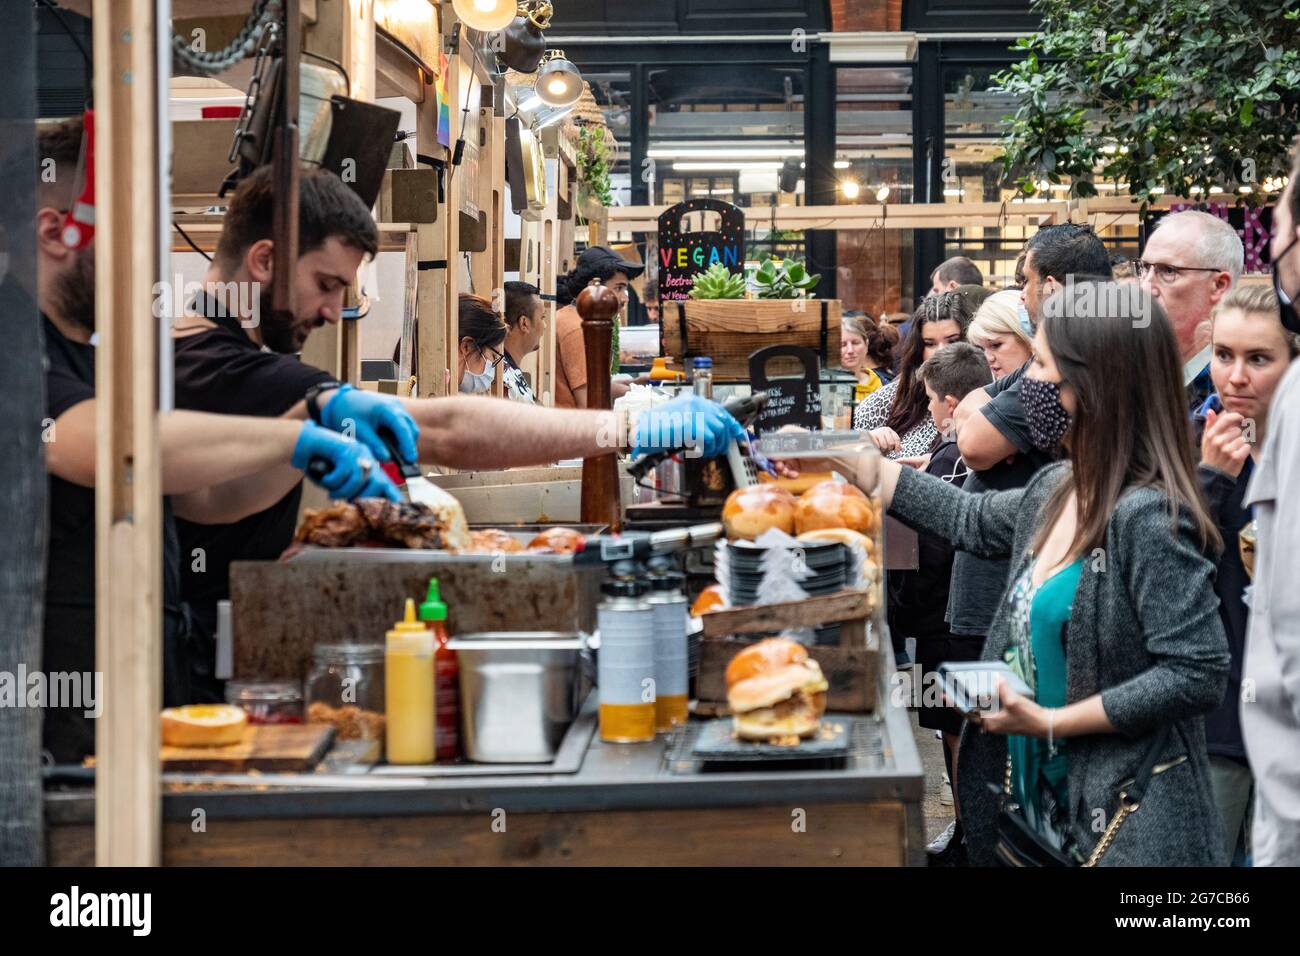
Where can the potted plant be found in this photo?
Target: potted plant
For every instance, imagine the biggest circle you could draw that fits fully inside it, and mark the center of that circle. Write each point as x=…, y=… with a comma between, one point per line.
x=727, y=317
x=593, y=171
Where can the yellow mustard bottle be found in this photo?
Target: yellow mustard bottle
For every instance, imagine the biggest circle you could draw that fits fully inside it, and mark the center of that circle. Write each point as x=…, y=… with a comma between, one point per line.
x=408, y=691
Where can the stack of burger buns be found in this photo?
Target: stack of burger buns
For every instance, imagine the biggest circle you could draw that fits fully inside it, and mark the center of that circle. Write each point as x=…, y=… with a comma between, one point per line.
x=776, y=692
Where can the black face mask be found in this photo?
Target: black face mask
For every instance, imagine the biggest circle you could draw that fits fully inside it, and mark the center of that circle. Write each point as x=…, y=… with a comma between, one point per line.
x=1286, y=306
x=1047, y=417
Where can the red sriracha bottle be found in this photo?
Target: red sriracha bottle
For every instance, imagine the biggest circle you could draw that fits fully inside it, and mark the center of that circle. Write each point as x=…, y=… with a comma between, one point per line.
x=446, y=678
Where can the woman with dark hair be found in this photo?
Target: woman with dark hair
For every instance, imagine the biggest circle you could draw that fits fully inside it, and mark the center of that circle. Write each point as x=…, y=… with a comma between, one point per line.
x=898, y=414
x=482, y=335
x=614, y=272
x=1109, y=616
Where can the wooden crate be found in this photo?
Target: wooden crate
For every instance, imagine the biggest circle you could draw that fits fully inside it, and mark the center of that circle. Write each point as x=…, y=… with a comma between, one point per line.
x=850, y=667
x=728, y=330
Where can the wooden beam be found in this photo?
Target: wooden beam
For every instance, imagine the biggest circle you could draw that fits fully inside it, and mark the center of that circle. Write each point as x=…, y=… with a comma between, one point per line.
x=396, y=74
x=430, y=360
x=205, y=230
x=186, y=9
x=128, y=499
x=344, y=31
x=285, y=176
x=857, y=216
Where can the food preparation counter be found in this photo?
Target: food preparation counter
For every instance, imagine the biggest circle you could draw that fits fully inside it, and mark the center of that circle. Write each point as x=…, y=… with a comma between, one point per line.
x=625, y=805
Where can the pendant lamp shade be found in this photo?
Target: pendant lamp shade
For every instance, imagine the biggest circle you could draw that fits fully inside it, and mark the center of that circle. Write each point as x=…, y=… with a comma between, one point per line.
x=558, y=81
x=485, y=14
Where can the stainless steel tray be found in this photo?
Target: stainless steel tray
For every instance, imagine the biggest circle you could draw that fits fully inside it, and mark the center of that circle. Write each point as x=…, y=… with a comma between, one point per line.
x=568, y=759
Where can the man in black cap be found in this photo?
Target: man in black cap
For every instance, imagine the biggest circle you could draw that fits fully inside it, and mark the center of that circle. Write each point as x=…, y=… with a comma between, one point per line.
x=612, y=270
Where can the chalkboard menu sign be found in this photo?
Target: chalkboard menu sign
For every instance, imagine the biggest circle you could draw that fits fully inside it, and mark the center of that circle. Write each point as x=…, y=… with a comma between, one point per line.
x=791, y=400
x=683, y=255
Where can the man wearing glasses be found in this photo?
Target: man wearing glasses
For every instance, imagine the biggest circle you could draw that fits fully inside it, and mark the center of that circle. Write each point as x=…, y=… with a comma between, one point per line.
x=1190, y=262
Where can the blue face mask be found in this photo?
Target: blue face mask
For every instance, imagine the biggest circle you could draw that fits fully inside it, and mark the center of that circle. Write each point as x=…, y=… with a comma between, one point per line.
x=1023, y=314
x=478, y=384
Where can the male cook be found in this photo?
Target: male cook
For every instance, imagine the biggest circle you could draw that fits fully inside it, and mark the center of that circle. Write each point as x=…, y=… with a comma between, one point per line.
x=214, y=467
x=246, y=365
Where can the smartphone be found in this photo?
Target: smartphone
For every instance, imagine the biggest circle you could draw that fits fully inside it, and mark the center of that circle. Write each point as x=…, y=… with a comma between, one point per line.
x=972, y=686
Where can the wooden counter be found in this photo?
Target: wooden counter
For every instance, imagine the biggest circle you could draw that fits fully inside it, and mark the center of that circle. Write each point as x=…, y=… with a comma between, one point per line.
x=626, y=805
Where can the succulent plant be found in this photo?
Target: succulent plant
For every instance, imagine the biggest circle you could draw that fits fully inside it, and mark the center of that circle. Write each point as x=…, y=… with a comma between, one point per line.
x=718, y=282
x=789, y=280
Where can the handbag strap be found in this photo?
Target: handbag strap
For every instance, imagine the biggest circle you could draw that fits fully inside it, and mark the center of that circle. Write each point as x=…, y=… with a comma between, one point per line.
x=1142, y=779
x=1130, y=798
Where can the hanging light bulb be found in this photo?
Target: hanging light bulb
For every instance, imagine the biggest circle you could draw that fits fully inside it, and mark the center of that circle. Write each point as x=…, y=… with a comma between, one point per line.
x=850, y=189
x=485, y=14
x=558, y=81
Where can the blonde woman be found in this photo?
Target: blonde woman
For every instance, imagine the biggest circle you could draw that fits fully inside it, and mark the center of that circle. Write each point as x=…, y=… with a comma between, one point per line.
x=997, y=330
x=1250, y=351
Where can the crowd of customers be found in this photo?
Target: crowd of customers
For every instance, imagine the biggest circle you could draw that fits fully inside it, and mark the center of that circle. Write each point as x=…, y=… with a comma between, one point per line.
x=1101, y=465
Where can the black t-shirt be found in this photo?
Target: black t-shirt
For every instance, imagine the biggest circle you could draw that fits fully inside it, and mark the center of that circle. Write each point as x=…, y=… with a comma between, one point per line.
x=978, y=583
x=222, y=370
x=69, y=633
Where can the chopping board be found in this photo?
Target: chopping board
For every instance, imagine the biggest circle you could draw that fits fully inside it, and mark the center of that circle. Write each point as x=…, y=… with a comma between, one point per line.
x=283, y=748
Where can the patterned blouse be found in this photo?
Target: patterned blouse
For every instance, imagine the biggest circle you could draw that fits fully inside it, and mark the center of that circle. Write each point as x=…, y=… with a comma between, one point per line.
x=873, y=412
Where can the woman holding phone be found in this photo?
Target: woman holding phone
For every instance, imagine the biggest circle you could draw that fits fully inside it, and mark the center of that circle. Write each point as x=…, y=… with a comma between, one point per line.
x=1110, y=614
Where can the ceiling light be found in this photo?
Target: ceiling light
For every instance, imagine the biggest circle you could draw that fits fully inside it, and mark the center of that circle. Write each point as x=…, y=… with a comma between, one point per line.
x=704, y=151
x=842, y=164
x=485, y=14
x=722, y=164
x=850, y=189
x=558, y=81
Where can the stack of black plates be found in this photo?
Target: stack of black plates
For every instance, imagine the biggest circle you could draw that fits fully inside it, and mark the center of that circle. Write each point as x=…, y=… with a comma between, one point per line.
x=827, y=567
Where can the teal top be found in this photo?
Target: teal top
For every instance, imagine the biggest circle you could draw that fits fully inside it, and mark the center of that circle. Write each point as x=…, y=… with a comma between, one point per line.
x=1037, y=653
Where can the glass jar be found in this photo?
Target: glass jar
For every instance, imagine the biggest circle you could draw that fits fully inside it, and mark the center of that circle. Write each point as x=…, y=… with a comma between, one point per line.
x=267, y=701
x=345, y=687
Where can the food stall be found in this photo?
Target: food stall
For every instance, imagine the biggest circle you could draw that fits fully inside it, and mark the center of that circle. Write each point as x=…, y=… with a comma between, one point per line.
x=538, y=595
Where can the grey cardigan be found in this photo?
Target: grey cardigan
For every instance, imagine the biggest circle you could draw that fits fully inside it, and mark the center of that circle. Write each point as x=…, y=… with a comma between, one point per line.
x=1144, y=632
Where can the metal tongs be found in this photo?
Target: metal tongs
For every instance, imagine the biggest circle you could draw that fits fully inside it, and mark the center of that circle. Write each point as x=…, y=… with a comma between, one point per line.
x=744, y=409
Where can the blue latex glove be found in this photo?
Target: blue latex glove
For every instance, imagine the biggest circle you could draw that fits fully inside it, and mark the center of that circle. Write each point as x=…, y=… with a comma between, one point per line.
x=349, y=471
x=689, y=422
x=363, y=414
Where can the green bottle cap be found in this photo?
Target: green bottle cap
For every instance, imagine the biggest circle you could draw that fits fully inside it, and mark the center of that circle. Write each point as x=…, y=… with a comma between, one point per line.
x=433, y=609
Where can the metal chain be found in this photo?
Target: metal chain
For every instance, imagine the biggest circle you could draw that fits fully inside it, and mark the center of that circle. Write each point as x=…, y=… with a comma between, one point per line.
x=254, y=90
x=1109, y=836
x=264, y=12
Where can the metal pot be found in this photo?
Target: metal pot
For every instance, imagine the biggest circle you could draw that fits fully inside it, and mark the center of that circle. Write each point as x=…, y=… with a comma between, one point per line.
x=519, y=691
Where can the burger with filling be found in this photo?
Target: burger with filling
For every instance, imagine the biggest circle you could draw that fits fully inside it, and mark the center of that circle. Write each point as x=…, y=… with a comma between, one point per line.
x=775, y=691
